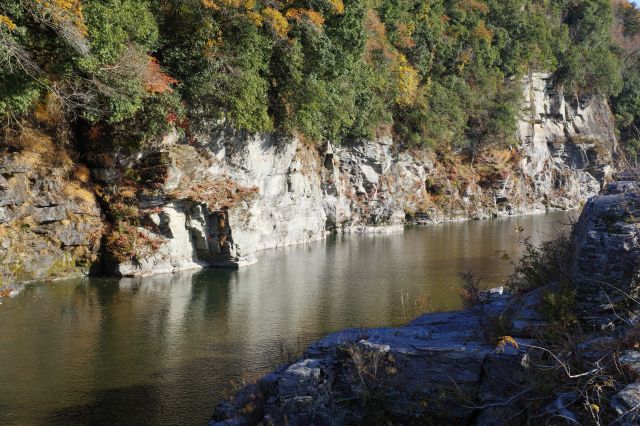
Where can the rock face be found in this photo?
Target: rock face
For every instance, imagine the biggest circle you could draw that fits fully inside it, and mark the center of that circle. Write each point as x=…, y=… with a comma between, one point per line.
x=567, y=142
x=303, y=192
x=282, y=191
x=607, y=256
x=50, y=223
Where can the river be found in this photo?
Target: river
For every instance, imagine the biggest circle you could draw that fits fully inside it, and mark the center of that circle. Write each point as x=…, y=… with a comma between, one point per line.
x=166, y=349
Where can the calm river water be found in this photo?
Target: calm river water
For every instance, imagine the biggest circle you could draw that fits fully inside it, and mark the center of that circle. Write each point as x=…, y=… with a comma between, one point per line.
x=166, y=349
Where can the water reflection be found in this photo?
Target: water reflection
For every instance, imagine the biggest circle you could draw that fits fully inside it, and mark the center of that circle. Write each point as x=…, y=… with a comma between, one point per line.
x=164, y=349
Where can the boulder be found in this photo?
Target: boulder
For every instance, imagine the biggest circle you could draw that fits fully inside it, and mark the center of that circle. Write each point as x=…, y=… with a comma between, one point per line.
x=606, y=266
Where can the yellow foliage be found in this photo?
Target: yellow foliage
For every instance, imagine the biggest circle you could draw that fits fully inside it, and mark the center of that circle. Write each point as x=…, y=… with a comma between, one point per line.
x=277, y=22
x=233, y=4
x=7, y=23
x=210, y=5
x=504, y=341
x=337, y=5
x=306, y=14
x=423, y=13
x=465, y=57
x=212, y=44
x=407, y=83
x=255, y=17
x=64, y=12
x=484, y=33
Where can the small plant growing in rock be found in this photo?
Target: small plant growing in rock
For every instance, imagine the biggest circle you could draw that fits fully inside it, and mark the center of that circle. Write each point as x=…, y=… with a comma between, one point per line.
x=540, y=266
x=126, y=242
x=367, y=367
x=471, y=291
x=218, y=194
x=290, y=351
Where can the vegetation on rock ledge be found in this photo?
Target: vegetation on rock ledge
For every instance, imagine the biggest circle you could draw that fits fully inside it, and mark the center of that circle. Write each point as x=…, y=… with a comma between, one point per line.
x=436, y=73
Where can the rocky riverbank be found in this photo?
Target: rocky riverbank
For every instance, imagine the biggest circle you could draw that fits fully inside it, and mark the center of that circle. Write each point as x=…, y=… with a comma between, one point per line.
x=562, y=346
x=218, y=198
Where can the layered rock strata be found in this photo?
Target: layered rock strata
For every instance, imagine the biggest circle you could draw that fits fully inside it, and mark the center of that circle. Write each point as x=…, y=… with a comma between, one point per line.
x=302, y=192
x=50, y=222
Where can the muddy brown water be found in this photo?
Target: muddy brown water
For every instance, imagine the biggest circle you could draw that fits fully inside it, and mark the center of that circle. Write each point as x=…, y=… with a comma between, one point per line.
x=166, y=349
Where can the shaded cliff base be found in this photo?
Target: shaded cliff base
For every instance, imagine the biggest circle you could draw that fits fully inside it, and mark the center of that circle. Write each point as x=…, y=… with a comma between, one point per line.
x=559, y=347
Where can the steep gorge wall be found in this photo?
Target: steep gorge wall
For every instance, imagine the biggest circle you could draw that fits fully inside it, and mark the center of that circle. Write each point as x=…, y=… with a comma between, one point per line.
x=291, y=193
x=568, y=143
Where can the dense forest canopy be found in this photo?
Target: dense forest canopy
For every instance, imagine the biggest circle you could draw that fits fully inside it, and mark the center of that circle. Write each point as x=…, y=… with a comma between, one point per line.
x=430, y=72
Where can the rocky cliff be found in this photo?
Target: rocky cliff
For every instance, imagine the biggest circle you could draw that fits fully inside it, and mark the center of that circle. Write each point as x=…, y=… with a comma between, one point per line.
x=302, y=192
x=223, y=196
x=50, y=222
x=508, y=360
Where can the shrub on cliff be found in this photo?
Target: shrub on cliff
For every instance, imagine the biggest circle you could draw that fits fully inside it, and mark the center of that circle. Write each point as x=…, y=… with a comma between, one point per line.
x=436, y=73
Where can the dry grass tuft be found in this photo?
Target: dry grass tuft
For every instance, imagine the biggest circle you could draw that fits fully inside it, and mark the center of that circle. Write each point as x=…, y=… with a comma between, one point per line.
x=219, y=194
x=50, y=110
x=81, y=173
x=80, y=195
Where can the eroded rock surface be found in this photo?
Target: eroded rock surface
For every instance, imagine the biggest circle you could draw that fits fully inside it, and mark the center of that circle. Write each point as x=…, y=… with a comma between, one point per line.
x=50, y=222
x=303, y=192
x=438, y=367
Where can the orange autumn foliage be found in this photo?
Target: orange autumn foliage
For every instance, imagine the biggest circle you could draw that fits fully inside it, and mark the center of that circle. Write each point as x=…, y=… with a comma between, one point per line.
x=483, y=33
x=405, y=33
x=474, y=6
x=155, y=81
x=377, y=38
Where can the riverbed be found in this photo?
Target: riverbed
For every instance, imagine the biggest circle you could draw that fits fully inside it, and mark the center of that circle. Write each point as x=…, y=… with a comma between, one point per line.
x=166, y=349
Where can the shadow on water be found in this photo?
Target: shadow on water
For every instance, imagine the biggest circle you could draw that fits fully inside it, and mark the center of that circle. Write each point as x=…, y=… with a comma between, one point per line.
x=160, y=403
x=166, y=349
x=114, y=406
